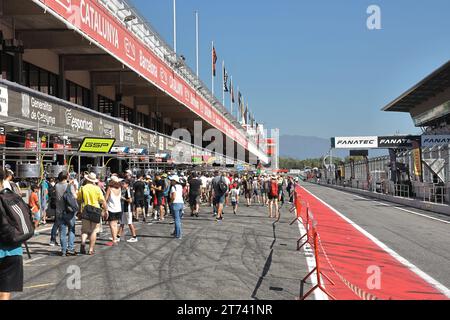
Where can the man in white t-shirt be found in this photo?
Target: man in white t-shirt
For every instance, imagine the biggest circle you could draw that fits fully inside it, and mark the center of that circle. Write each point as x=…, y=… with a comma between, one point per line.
x=204, y=186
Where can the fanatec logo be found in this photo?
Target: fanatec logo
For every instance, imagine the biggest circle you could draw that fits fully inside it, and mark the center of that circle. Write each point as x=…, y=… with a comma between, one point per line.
x=399, y=141
x=355, y=142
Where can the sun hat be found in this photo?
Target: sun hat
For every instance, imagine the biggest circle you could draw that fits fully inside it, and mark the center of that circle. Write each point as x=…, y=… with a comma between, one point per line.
x=115, y=178
x=92, y=177
x=175, y=178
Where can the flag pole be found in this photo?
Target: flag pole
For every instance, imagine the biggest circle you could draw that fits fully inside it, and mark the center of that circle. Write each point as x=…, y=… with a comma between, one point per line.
x=238, y=106
x=212, y=67
x=196, y=41
x=231, y=96
x=175, y=26
x=223, y=83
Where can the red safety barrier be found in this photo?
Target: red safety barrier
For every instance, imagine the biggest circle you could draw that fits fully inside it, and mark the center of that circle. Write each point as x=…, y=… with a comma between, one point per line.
x=313, y=241
x=296, y=206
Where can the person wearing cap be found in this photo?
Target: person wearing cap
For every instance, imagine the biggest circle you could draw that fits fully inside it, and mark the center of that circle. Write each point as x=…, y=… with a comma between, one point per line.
x=90, y=195
x=8, y=183
x=176, y=204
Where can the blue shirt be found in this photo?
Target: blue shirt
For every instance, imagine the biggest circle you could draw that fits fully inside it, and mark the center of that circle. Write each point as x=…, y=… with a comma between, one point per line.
x=44, y=187
x=10, y=252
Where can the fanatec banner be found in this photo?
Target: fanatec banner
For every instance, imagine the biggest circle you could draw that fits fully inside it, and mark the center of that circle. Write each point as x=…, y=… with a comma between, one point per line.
x=431, y=141
x=370, y=142
x=397, y=142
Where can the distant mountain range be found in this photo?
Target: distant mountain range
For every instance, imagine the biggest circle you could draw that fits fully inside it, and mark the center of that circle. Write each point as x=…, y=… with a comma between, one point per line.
x=303, y=147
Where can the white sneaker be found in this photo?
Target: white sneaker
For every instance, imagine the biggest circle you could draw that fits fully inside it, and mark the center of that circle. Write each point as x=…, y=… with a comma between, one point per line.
x=132, y=240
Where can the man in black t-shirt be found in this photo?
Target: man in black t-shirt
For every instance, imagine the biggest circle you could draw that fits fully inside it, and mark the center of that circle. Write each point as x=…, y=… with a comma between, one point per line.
x=195, y=186
x=139, y=198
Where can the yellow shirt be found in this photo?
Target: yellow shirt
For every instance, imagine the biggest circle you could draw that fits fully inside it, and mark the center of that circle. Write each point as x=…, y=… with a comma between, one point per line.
x=91, y=195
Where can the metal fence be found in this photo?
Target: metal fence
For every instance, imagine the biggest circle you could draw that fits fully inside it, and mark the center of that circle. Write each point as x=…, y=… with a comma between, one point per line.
x=426, y=192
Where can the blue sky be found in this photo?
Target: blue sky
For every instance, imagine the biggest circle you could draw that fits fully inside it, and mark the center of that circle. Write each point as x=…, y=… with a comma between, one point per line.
x=312, y=67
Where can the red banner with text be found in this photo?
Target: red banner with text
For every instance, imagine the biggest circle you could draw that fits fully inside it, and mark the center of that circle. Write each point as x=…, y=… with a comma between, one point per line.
x=94, y=21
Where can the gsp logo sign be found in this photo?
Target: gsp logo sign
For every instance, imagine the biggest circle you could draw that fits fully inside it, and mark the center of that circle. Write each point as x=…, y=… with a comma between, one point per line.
x=96, y=145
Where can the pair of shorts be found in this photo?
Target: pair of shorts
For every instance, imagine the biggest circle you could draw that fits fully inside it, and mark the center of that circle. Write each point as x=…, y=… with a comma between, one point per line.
x=234, y=203
x=194, y=200
x=271, y=197
x=248, y=194
x=220, y=199
x=37, y=216
x=159, y=200
x=89, y=227
x=127, y=218
x=114, y=216
x=139, y=203
x=11, y=274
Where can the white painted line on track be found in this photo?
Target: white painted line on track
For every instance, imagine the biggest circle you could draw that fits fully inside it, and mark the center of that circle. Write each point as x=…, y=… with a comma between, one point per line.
x=311, y=263
x=402, y=209
x=440, y=287
x=33, y=260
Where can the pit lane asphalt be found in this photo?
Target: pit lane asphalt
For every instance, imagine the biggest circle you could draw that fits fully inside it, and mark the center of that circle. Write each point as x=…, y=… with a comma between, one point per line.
x=422, y=241
x=245, y=257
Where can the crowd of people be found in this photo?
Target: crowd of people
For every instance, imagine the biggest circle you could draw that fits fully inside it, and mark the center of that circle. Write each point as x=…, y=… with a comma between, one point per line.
x=123, y=200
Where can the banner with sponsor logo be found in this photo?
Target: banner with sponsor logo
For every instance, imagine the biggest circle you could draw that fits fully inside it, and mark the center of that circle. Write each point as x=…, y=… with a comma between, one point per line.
x=370, y=142
x=96, y=145
x=397, y=142
x=91, y=19
x=78, y=121
x=438, y=140
x=39, y=110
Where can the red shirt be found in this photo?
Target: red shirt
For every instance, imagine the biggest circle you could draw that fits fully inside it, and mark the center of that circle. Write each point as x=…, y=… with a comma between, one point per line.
x=33, y=202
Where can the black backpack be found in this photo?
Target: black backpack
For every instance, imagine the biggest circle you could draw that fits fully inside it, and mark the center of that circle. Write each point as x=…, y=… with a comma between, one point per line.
x=223, y=187
x=52, y=196
x=70, y=203
x=16, y=225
